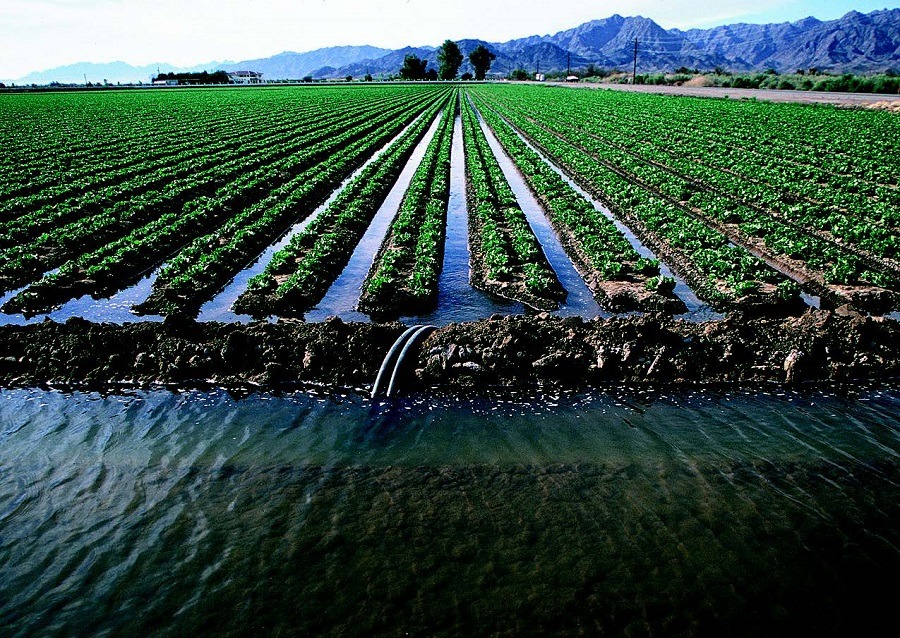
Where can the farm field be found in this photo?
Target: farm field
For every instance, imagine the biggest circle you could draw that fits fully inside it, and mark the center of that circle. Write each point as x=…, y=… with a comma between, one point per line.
x=623, y=417
x=744, y=205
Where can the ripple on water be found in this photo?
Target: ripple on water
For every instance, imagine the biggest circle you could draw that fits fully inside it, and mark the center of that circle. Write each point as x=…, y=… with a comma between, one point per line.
x=154, y=511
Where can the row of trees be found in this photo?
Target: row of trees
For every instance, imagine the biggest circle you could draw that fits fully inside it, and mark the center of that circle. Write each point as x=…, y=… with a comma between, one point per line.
x=205, y=77
x=450, y=59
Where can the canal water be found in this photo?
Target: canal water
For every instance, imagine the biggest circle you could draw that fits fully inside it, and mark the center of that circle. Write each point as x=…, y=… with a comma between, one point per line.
x=626, y=512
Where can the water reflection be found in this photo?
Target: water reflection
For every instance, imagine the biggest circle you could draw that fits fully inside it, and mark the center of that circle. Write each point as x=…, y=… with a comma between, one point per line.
x=622, y=512
x=343, y=295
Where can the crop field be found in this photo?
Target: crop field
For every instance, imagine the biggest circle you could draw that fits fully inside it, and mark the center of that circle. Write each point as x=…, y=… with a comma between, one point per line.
x=747, y=204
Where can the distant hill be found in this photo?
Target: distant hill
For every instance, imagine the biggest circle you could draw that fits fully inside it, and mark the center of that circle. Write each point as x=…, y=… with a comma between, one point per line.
x=856, y=42
x=542, y=55
x=284, y=65
x=112, y=72
x=295, y=66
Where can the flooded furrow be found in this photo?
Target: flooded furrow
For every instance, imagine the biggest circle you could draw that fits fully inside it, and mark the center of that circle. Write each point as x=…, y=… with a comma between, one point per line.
x=579, y=301
x=698, y=310
x=343, y=295
x=113, y=309
x=457, y=300
x=7, y=319
x=219, y=308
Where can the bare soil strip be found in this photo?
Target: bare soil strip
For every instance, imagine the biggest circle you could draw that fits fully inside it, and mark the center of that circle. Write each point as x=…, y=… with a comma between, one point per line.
x=799, y=97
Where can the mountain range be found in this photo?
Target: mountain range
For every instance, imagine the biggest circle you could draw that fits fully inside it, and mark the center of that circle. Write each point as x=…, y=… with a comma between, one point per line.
x=856, y=42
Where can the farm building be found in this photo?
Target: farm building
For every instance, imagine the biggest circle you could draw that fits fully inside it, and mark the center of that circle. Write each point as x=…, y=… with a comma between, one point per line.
x=246, y=77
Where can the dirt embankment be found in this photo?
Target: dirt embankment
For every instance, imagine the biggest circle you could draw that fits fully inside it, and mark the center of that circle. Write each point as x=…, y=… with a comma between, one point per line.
x=818, y=346
x=186, y=352
x=520, y=351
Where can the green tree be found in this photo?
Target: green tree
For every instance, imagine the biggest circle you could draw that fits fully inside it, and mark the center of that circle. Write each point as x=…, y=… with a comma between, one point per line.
x=481, y=59
x=451, y=58
x=413, y=68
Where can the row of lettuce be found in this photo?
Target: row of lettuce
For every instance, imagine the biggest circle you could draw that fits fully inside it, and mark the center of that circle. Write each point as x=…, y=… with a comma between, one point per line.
x=597, y=248
x=740, y=221
x=815, y=215
x=507, y=258
x=697, y=200
x=208, y=226
x=299, y=275
x=404, y=274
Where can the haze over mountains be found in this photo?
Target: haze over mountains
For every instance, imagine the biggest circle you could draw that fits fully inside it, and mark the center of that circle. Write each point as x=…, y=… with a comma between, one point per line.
x=855, y=42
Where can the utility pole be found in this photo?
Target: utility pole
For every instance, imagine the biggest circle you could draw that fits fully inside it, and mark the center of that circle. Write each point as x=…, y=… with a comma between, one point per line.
x=634, y=70
x=568, y=65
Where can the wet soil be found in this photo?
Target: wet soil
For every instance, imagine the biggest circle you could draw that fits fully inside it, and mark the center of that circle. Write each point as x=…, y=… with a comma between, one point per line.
x=511, y=351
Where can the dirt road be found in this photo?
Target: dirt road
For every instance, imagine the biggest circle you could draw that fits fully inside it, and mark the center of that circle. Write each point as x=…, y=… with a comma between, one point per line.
x=888, y=101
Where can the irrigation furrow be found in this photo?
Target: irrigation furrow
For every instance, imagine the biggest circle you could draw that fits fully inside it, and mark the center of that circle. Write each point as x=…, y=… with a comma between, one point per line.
x=342, y=296
x=579, y=300
x=300, y=275
x=507, y=259
x=457, y=300
x=210, y=262
x=220, y=307
x=404, y=273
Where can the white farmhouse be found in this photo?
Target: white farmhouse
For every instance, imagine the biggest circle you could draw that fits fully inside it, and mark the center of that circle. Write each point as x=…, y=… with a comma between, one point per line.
x=246, y=77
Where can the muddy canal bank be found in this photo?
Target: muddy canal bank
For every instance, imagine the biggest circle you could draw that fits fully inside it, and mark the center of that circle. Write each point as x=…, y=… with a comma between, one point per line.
x=820, y=345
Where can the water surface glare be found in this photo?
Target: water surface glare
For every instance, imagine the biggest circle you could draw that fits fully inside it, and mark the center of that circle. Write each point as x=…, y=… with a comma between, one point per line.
x=579, y=301
x=342, y=296
x=638, y=512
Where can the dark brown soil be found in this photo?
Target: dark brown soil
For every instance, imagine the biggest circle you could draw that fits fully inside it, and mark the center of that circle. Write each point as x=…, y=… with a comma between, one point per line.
x=514, y=351
x=183, y=351
x=818, y=346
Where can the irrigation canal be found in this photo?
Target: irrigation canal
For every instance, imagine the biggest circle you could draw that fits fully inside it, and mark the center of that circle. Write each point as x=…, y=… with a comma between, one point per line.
x=739, y=513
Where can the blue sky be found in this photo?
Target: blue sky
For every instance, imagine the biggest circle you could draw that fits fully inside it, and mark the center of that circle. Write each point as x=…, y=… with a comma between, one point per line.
x=42, y=34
